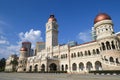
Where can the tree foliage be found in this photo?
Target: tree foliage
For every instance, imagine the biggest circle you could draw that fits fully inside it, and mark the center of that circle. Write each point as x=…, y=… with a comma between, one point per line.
x=2, y=64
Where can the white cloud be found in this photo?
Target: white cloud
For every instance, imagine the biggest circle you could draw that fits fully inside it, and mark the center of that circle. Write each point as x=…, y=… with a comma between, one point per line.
x=32, y=36
x=84, y=36
x=3, y=40
x=6, y=49
x=3, y=46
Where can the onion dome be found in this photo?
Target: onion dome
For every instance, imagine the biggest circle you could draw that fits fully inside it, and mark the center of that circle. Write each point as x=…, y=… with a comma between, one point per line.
x=52, y=18
x=101, y=16
x=23, y=49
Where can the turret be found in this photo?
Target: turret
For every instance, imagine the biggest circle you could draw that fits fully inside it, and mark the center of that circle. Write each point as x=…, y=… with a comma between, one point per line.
x=22, y=60
x=103, y=26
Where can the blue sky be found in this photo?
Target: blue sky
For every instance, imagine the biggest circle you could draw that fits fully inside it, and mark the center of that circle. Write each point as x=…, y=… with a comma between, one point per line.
x=23, y=20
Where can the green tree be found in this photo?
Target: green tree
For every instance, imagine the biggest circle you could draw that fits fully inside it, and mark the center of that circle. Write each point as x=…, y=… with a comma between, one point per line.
x=2, y=64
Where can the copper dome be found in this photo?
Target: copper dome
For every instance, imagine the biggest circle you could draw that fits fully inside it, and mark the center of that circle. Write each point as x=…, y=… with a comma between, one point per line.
x=101, y=16
x=51, y=18
x=23, y=49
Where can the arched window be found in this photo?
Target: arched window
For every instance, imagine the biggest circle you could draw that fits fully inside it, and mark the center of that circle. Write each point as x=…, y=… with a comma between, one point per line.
x=117, y=60
x=108, y=45
x=103, y=46
x=111, y=59
x=66, y=55
x=113, y=46
x=94, y=52
x=43, y=67
x=62, y=67
x=98, y=65
x=74, y=54
x=36, y=68
x=85, y=53
x=89, y=52
x=89, y=66
x=81, y=66
x=66, y=67
x=74, y=66
x=30, y=69
x=97, y=51
x=81, y=53
x=78, y=54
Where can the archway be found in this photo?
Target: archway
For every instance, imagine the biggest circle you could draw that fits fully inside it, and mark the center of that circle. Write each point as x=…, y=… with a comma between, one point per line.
x=108, y=45
x=111, y=59
x=97, y=51
x=89, y=66
x=103, y=46
x=74, y=66
x=53, y=67
x=43, y=67
x=81, y=66
x=36, y=68
x=112, y=44
x=30, y=68
x=66, y=67
x=62, y=67
x=98, y=65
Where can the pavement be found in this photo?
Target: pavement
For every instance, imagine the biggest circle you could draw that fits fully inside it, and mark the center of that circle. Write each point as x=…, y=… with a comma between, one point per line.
x=56, y=76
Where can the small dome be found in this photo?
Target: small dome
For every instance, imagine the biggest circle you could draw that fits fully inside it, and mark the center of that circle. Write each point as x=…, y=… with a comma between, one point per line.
x=51, y=18
x=23, y=49
x=101, y=16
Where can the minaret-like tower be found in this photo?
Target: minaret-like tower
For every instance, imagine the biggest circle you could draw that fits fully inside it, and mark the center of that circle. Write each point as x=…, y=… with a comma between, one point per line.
x=22, y=60
x=103, y=26
x=108, y=41
x=51, y=32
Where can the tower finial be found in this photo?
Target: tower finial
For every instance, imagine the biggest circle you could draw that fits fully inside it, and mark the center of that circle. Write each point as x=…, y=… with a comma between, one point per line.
x=51, y=15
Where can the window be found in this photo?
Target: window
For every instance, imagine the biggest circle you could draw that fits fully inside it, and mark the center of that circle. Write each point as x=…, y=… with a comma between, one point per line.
x=97, y=50
x=89, y=52
x=113, y=46
x=108, y=45
x=94, y=52
x=74, y=67
x=111, y=59
x=85, y=53
x=74, y=54
x=78, y=54
x=103, y=46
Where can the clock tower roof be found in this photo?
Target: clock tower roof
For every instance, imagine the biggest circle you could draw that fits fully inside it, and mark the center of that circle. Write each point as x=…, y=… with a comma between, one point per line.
x=51, y=18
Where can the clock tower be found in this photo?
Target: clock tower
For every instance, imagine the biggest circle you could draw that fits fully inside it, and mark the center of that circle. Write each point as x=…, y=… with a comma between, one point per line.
x=51, y=32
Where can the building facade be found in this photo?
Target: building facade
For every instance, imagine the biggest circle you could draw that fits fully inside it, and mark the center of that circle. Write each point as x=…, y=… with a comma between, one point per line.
x=11, y=63
x=103, y=53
